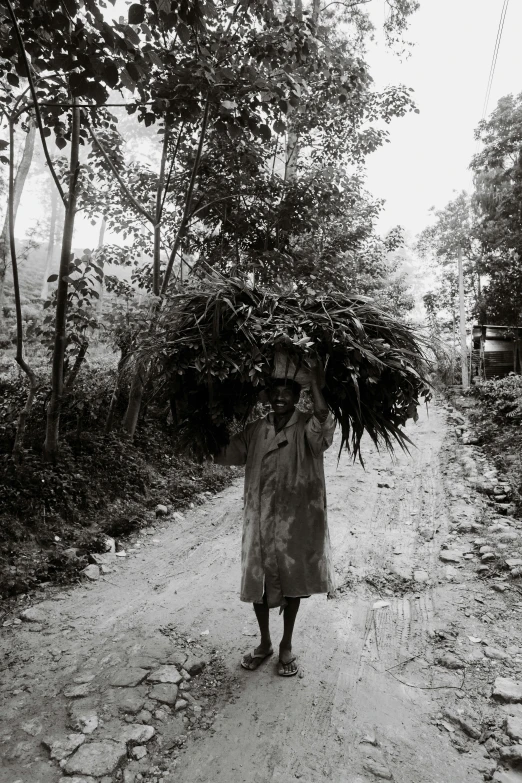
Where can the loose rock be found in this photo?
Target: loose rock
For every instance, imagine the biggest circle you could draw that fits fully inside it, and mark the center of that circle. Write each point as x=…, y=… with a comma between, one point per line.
x=129, y=700
x=62, y=748
x=507, y=690
x=195, y=665
x=495, y=654
x=91, y=572
x=165, y=674
x=450, y=661
x=127, y=677
x=34, y=615
x=514, y=727
x=138, y=752
x=450, y=556
x=176, y=658
x=512, y=755
x=96, y=759
x=166, y=694
x=161, y=510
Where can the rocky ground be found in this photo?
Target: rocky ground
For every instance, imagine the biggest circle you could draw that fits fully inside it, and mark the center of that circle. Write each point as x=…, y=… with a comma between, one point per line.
x=413, y=673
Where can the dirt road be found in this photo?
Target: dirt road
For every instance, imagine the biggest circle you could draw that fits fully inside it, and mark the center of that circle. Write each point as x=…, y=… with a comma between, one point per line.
x=363, y=708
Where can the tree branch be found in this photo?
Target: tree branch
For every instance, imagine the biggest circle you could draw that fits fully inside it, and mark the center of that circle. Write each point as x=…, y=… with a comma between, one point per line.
x=35, y=101
x=346, y=5
x=210, y=204
x=188, y=201
x=172, y=162
x=157, y=216
x=135, y=203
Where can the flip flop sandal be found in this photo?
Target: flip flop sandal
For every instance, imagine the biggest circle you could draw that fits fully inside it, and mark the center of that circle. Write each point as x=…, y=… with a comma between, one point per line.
x=281, y=669
x=252, y=661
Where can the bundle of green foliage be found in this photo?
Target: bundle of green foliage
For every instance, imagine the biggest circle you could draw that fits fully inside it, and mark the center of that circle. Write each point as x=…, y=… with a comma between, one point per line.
x=215, y=347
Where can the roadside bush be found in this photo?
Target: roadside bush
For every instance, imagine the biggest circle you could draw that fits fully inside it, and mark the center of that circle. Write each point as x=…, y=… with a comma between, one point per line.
x=497, y=421
x=501, y=398
x=102, y=484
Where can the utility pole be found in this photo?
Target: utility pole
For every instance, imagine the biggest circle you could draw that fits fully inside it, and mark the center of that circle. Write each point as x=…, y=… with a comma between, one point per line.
x=463, y=355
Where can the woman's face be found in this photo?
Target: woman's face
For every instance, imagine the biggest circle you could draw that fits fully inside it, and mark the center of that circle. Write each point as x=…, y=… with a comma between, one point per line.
x=282, y=399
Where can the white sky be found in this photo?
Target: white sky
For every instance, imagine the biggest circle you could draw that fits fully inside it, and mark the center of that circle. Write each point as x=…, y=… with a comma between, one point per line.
x=428, y=157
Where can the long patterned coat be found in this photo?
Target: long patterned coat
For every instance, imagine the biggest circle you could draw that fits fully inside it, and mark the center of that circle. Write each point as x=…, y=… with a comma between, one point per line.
x=286, y=545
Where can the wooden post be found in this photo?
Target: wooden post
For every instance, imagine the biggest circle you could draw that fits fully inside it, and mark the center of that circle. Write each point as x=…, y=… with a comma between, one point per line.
x=483, y=352
x=454, y=351
x=463, y=355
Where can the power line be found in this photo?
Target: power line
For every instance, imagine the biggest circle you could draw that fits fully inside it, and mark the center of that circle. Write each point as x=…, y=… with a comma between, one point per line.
x=495, y=56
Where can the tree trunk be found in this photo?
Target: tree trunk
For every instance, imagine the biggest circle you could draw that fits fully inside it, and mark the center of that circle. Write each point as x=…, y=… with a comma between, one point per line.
x=292, y=139
x=22, y=418
x=54, y=409
x=139, y=378
x=18, y=186
x=130, y=420
x=101, y=289
x=462, y=309
x=188, y=200
x=80, y=356
x=157, y=215
x=50, y=247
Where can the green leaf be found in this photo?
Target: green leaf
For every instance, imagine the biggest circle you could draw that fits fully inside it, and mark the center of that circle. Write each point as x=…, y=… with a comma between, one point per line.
x=134, y=72
x=132, y=36
x=184, y=33
x=110, y=75
x=52, y=278
x=127, y=81
x=3, y=144
x=136, y=14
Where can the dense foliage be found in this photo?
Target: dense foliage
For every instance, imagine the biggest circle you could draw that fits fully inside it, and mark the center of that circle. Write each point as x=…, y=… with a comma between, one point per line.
x=502, y=399
x=486, y=226
x=497, y=170
x=215, y=348
x=53, y=515
x=199, y=134
x=258, y=114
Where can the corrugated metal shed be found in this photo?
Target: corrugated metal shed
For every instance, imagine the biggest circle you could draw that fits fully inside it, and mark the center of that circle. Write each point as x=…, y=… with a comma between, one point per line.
x=496, y=350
